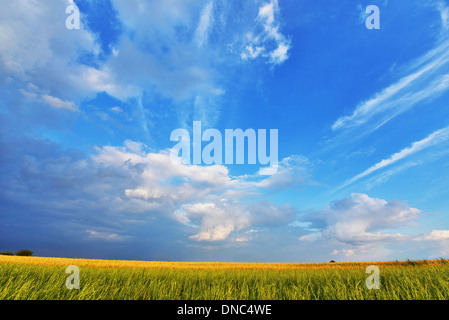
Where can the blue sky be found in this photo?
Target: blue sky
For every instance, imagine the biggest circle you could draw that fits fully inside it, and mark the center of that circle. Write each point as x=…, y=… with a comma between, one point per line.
x=362, y=116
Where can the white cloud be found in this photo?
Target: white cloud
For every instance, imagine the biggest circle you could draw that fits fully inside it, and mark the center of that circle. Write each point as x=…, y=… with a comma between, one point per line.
x=217, y=220
x=116, y=109
x=135, y=147
x=251, y=52
x=345, y=252
x=291, y=171
x=145, y=194
x=269, y=42
x=304, y=238
x=266, y=13
x=280, y=54
x=108, y=236
x=436, y=241
x=104, y=79
x=34, y=94
x=361, y=220
x=58, y=103
x=436, y=235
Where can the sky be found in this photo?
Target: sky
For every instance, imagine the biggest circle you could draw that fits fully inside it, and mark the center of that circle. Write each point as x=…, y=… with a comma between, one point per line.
x=362, y=116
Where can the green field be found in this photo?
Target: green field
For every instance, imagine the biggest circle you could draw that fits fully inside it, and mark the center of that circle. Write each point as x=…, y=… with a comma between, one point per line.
x=172, y=281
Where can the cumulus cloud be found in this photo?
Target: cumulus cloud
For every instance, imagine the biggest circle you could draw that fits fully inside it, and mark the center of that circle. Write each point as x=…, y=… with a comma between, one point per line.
x=106, y=195
x=196, y=194
x=360, y=219
x=437, y=235
x=436, y=242
x=217, y=220
x=362, y=228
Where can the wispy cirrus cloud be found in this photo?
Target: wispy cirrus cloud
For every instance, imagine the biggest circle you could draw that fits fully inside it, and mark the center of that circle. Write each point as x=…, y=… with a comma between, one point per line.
x=444, y=13
x=434, y=138
x=428, y=77
x=206, y=19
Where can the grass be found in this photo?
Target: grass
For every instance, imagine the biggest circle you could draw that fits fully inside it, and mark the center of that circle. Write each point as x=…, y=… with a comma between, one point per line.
x=38, y=278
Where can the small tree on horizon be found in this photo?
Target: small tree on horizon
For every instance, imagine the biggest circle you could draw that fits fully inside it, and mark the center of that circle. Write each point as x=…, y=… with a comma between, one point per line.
x=24, y=253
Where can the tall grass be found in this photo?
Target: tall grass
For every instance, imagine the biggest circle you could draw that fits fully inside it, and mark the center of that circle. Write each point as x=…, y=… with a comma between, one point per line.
x=401, y=281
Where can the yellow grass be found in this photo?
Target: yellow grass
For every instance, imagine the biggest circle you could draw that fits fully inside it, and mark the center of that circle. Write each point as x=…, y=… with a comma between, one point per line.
x=134, y=264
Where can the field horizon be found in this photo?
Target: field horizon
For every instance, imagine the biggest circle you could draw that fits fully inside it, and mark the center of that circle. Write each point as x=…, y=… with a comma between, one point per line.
x=98, y=262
